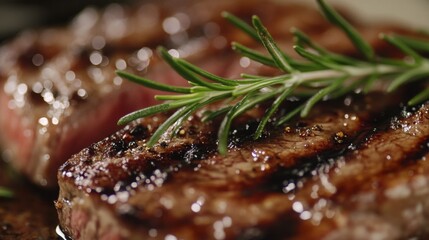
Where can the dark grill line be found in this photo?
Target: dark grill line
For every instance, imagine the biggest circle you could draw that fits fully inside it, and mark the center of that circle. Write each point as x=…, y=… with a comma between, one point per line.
x=352, y=184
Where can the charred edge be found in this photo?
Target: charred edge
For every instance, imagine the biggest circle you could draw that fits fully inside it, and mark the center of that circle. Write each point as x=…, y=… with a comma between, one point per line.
x=127, y=141
x=141, y=172
x=118, y=144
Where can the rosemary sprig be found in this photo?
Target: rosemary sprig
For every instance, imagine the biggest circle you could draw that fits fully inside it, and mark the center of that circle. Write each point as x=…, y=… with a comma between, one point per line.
x=323, y=74
x=5, y=193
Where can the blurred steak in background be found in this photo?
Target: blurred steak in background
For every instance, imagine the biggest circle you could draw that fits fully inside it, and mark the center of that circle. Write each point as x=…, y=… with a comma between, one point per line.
x=59, y=92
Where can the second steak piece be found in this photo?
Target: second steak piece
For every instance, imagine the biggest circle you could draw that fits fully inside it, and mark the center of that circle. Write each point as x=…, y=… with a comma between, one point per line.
x=58, y=87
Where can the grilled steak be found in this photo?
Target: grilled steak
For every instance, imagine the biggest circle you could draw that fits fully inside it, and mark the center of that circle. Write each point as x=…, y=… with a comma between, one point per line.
x=354, y=169
x=58, y=87
x=59, y=92
x=339, y=174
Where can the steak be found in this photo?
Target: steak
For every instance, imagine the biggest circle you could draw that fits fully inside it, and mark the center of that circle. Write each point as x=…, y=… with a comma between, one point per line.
x=347, y=172
x=59, y=91
x=354, y=169
x=58, y=88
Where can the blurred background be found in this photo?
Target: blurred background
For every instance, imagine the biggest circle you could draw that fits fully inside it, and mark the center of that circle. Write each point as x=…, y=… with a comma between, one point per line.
x=409, y=13
x=16, y=15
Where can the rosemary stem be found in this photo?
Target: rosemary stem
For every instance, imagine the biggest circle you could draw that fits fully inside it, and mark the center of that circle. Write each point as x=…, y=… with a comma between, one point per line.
x=349, y=70
x=303, y=77
x=321, y=75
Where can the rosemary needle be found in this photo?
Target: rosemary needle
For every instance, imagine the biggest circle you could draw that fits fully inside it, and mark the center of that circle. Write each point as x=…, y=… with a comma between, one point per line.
x=5, y=193
x=322, y=75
